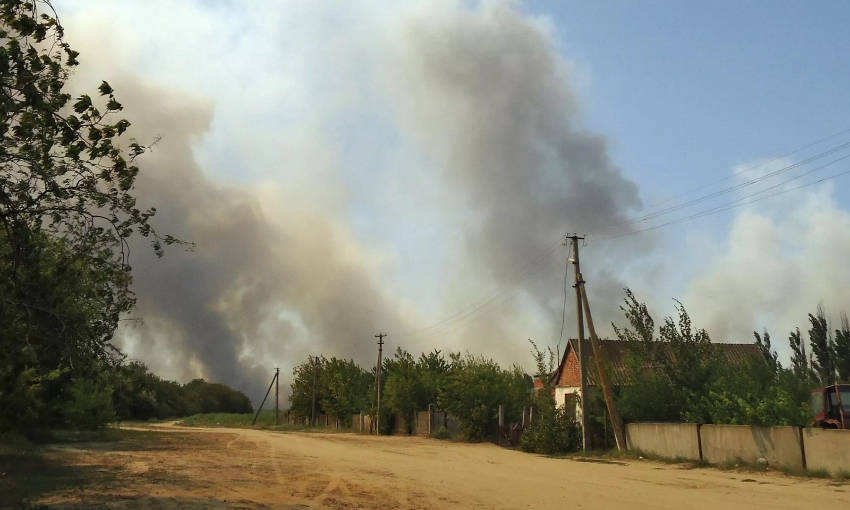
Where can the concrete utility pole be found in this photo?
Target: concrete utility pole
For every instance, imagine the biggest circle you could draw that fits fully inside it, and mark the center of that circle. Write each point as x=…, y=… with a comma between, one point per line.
x=313, y=412
x=580, y=350
x=276, y=393
x=380, y=337
x=603, y=374
x=274, y=380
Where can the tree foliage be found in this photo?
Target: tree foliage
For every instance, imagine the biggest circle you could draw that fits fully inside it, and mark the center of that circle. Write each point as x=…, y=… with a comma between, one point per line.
x=338, y=387
x=474, y=388
x=66, y=214
x=823, y=347
x=842, y=350
x=680, y=376
x=470, y=388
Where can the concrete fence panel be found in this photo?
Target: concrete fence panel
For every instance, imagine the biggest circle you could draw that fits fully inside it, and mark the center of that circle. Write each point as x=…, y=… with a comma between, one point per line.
x=779, y=446
x=827, y=449
x=670, y=440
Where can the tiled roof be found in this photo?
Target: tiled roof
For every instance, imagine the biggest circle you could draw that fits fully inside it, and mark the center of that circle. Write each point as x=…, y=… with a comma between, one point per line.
x=614, y=353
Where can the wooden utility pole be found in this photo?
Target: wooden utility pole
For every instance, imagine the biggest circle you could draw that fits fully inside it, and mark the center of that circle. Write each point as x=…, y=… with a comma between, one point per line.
x=380, y=337
x=603, y=375
x=276, y=394
x=581, y=353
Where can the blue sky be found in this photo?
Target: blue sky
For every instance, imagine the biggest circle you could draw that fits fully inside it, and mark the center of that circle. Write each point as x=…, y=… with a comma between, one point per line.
x=687, y=90
x=334, y=111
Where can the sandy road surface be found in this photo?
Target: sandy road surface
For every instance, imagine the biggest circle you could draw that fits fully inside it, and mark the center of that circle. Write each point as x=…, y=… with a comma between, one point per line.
x=237, y=468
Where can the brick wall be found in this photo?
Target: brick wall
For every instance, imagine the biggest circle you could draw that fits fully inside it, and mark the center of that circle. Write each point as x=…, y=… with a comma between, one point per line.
x=571, y=376
x=538, y=385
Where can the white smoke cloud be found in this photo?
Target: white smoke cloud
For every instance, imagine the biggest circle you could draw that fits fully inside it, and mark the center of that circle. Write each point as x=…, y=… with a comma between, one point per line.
x=782, y=257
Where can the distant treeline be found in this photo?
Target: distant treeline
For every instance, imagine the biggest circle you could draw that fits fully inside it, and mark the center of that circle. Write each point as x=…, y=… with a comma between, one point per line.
x=139, y=394
x=66, y=399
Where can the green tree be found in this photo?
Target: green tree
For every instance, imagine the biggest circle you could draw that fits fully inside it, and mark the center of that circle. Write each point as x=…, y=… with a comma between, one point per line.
x=823, y=347
x=344, y=389
x=306, y=386
x=403, y=391
x=681, y=376
x=799, y=360
x=842, y=350
x=668, y=373
x=66, y=213
x=432, y=368
x=473, y=389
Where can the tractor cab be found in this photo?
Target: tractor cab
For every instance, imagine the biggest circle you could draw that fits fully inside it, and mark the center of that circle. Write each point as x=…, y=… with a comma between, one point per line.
x=831, y=407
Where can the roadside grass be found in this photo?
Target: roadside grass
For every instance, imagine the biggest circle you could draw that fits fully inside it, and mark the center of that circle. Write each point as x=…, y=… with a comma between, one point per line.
x=265, y=421
x=734, y=464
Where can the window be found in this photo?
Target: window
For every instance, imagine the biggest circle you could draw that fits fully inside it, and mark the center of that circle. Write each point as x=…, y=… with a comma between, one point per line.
x=845, y=399
x=570, y=404
x=817, y=402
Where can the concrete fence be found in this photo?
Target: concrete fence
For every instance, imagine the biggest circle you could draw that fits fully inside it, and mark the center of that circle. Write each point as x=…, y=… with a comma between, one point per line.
x=791, y=447
x=778, y=446
x=671, y=440
x=827, y=449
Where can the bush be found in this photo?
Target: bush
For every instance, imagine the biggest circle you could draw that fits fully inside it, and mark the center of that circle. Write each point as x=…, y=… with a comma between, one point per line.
x=555, y=432
x=90, y=406
x=442, y=433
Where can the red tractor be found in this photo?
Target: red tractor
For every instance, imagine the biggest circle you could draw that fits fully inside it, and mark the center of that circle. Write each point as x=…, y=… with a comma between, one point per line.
x=831, y=406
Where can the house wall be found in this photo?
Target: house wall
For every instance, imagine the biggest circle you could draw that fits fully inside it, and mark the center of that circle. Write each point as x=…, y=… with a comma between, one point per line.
x=561, y=394
x=571, y=375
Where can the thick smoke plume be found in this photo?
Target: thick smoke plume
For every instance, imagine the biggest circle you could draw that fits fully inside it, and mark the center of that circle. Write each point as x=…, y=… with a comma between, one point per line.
x=279, y=272
x=255, y=290
x=487, y=96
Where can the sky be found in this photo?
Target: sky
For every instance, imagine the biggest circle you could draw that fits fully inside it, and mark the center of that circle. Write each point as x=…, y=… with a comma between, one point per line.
x=412, y=167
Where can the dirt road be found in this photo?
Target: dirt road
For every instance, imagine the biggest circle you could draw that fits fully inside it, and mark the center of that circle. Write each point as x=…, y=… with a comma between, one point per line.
x=237, y=468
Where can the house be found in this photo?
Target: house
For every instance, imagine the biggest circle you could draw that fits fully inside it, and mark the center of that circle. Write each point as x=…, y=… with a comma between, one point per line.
x=566, y=380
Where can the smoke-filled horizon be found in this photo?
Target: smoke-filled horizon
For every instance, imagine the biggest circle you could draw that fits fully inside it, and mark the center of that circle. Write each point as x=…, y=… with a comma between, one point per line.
x=393, y=174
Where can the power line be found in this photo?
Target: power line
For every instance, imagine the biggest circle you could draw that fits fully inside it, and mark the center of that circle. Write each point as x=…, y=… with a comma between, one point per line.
x=441, y=328
x=512, y=281
x=520, y=276
x=738, y=203
x=736, y=174
x=729, y=189
x=472, y=316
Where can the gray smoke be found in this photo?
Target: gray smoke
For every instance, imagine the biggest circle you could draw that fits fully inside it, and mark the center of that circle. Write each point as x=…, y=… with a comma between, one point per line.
x=487, y=96
x=483, y=95
x=256, y=290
